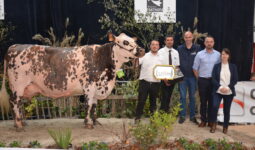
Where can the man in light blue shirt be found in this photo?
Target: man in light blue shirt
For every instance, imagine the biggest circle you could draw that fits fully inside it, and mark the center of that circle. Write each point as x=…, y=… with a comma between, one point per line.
x=202, y=68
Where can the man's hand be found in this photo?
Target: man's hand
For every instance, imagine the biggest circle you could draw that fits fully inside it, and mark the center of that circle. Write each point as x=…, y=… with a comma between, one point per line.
x=195, y=73
x=166, y=82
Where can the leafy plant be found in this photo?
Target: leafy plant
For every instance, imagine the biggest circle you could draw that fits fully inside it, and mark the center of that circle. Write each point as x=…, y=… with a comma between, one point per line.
x=15, y=144
x=62, y=137
x=5, y=35
x=157, y=130
x=94, y=145
x=189, y=145
x=31, y=107
x=67, y=40
x=128, y=89
x=35, y=144
x=163, y=122
x=211, y=144
x=2, y=144
x=145, y=134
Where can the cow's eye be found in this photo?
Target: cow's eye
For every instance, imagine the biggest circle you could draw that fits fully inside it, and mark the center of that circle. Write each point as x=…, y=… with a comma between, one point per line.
x=125, y=42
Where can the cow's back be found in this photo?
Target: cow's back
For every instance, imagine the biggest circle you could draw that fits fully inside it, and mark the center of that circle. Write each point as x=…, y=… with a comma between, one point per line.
x=52, y=71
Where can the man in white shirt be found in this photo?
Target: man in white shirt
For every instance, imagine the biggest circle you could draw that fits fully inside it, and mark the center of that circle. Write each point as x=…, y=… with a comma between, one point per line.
x=170, y=56
x=148, y=84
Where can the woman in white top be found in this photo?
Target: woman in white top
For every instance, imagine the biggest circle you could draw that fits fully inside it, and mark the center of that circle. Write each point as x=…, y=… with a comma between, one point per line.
x=224, y=78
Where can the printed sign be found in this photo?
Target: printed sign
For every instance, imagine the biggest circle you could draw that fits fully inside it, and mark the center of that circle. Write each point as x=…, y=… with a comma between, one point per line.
x=1, y=9
x=164, y=72
x=155, y=11
x=154, y=5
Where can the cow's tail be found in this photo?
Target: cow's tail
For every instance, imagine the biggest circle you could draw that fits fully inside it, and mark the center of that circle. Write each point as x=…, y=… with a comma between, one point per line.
x=4, y=96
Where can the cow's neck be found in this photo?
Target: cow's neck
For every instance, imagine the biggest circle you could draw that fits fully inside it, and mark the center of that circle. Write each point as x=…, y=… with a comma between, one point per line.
x=119, y=57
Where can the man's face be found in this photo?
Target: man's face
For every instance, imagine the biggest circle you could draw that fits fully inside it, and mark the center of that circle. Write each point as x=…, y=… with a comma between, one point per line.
x=188, y=37
x=169, y=41
x=209, y=43
x=154, y=46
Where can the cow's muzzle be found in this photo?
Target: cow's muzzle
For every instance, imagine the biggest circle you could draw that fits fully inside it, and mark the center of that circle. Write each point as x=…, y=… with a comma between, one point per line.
x=140, y=52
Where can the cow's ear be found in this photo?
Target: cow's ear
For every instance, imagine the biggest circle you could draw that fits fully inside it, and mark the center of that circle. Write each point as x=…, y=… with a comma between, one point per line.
x=111, y=37
x=135, y=38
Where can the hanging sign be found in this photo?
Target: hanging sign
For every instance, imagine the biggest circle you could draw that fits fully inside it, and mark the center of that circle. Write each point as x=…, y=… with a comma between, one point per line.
x=155, y=11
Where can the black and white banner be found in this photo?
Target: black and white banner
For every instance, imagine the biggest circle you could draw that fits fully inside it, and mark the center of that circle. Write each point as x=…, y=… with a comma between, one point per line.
x=155, y=11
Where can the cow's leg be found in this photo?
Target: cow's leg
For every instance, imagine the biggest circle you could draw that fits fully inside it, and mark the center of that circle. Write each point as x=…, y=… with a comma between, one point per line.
x=17, y=105
x=88, y=120
x=94, y=114
x=88, y=109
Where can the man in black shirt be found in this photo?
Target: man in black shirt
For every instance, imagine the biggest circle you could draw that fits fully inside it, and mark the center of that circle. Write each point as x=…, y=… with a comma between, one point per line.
x=187, y=53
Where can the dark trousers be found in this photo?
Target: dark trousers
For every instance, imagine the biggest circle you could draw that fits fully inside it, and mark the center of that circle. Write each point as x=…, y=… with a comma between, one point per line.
x=227, y=101
x=145, y=89
x=166, y=96
x=205, y=94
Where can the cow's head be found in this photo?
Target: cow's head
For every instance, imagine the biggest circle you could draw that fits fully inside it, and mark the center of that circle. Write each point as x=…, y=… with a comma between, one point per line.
x=127, y=45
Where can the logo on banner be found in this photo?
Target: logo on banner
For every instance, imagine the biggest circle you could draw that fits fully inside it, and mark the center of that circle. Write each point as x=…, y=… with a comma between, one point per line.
x=154, y=5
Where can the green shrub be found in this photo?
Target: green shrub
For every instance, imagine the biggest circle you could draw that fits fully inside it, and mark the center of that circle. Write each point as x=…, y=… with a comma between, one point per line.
x=93, y=145
x=2, y=144
x=15, y=144
x=145, y=134
x=35, y=144
x=163, y=122
x=211, y=144
x=62, y=137
x=189, y=145
x=158, y=130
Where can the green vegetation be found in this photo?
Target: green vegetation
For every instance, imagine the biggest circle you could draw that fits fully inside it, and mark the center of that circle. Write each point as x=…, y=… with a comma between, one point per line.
x=93, y=145
x=34, y=144
x=2, y=144
x=15, y=144
x=62, y=137
x=158, y=130
x=68, y=40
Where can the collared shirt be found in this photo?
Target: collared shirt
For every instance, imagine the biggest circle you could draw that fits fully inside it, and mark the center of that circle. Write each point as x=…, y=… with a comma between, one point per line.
x=164, y=54
x=205, y=61
x=148, y=62
x=187, y=57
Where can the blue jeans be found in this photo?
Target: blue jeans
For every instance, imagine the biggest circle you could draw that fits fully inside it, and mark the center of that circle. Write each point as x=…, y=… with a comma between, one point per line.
x=190, y=84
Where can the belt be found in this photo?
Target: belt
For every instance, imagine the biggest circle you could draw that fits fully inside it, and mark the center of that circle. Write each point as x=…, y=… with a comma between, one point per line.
x=149, y=82
x=207, y=78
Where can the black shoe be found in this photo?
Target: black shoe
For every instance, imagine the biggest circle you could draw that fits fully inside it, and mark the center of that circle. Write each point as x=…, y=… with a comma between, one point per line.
x=181, y=120
x=194, y=120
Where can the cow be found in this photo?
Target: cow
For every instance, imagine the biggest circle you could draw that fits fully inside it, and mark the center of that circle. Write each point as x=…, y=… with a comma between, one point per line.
x=55, y=72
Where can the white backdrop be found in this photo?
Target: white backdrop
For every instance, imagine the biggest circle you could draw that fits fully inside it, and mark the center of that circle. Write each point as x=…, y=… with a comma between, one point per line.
x=160, y=11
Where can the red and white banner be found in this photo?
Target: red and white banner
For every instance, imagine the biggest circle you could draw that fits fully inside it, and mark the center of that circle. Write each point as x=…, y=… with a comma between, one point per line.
x=243, y=105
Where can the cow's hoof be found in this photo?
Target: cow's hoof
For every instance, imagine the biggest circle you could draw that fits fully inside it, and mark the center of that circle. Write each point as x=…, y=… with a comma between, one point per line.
x=24, y=123
x=89, y=126
x=97, y=123
x=20, y=129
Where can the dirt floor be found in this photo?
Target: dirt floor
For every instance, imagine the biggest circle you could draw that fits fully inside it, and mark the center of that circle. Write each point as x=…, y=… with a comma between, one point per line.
x=111, y=129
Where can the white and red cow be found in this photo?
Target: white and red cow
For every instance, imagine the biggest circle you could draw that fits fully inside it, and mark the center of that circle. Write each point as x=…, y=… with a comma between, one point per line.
x=60, y=72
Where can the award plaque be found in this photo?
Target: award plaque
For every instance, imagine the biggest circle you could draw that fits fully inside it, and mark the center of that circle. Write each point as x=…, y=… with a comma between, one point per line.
x=168, y=72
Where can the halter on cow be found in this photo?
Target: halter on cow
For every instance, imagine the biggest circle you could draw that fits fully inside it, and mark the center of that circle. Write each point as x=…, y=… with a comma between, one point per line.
x=88, y=70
